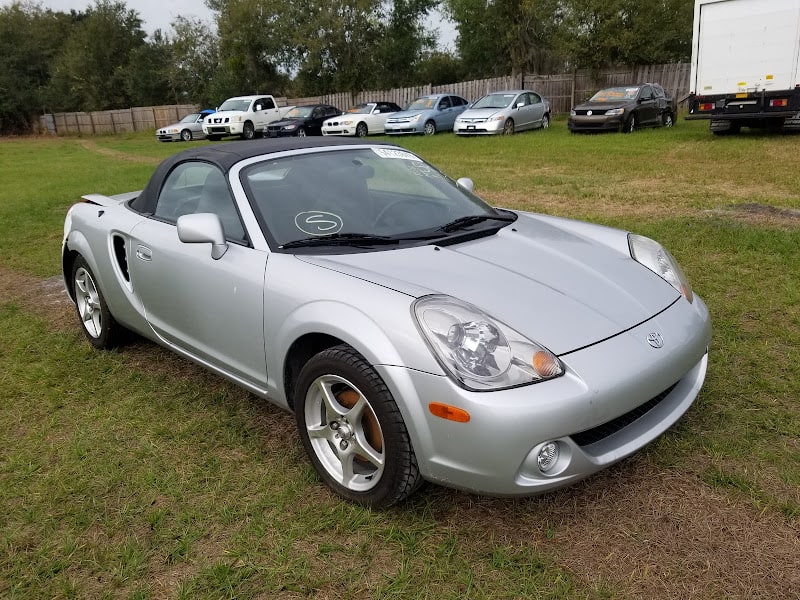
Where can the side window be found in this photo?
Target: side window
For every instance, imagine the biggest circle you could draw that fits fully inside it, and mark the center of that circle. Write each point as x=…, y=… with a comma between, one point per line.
x=535, y=98
x=316, y=113
x=444, y=103
x=198, y=187
x=181, y=191
x=459, y=101
x=267, y=103
x=258, y=106
x=330, y=111
x=647, y=93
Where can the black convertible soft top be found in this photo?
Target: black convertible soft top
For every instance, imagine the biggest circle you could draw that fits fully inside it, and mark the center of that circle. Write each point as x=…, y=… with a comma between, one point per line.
x=226, y=155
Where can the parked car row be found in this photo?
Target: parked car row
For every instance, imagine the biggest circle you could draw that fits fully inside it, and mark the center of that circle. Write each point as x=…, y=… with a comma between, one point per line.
x=621, y=108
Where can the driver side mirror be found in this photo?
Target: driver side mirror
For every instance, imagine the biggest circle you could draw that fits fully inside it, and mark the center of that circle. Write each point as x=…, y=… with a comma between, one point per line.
x=466, y=183
x=203, y=228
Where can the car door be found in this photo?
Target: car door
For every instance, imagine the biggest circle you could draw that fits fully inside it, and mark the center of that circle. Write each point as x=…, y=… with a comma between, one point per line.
x=521, y=112
x=264, y=110
x=535, y=109
x=648, y=106
x=445, y=116
x=212, y=310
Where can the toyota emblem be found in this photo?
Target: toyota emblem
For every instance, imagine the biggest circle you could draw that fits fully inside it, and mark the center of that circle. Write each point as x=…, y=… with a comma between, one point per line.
x=655, y=340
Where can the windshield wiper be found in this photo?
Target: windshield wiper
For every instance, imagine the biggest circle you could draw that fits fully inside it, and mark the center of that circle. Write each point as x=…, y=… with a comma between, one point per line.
x=462, y=222
x=342, y=239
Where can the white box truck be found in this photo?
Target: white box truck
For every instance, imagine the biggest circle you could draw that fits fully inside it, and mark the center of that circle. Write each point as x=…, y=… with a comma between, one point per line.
x=744, y=71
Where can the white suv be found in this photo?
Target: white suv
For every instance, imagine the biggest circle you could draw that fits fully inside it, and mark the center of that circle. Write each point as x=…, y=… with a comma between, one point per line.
x=242, y=116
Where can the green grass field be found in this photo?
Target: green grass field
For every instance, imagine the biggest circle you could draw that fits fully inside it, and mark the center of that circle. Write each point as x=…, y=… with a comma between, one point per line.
x=135, y=474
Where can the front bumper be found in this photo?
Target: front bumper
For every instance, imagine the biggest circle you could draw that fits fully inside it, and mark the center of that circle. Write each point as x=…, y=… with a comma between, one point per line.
x=338, y=131
x=595, y=123
x=479, y=128
x=228, y=129
x=168, y=137
x=405, y=128
x=595, y=414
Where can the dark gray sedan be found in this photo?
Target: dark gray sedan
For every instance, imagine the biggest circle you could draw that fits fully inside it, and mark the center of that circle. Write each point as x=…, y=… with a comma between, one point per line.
x=624, y=108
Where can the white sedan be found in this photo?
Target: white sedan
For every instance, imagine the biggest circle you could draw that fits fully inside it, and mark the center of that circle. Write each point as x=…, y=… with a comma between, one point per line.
x=365, y=119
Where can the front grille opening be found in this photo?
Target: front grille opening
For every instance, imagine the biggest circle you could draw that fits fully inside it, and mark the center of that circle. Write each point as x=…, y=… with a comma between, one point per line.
x=595, y=434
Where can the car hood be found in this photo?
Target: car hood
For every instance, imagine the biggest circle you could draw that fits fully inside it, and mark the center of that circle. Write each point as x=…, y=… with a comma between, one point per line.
x=480, y=113
x=558, y=288
x=289, y=121
x=604, y=105
x=405, y=114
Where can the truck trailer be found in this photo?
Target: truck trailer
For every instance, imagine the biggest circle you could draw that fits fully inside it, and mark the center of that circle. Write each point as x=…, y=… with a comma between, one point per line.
x=744, y=69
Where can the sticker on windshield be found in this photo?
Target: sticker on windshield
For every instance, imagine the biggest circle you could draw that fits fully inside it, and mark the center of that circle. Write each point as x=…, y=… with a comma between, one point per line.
x=390, y=153
x=318, y=222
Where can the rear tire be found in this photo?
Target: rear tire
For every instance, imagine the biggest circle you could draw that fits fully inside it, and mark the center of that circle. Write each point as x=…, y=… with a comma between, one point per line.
x=97, y=322
x=667, y=120
x=546, y=121
x=353, y=431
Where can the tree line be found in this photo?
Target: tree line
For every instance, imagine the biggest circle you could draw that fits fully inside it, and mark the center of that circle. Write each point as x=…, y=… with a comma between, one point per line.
x=101, y=58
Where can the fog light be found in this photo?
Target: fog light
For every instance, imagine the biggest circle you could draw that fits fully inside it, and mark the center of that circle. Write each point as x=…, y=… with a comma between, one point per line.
x=548, y=456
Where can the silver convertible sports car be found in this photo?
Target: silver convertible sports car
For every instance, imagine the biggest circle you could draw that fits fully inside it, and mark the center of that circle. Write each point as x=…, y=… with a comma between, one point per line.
x=417, y=333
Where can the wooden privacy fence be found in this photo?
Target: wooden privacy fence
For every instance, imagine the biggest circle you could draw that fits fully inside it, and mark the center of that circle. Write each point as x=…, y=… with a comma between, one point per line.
x=563, y=91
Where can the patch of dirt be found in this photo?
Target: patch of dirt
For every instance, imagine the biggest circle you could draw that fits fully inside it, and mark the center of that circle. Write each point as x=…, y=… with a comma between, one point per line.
x=647, y=532
x=753, y=213
x=761, y=214
x=93, y=147
x=654, y=534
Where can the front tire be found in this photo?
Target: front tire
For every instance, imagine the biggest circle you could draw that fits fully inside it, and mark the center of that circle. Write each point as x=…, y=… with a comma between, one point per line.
x=430, y=128
x=353, y=431
x=186, y=135
x=248, y=131
x=631, y=124
x=301, y=132
x=361, y=130
x=508, y=127
x=97, y=322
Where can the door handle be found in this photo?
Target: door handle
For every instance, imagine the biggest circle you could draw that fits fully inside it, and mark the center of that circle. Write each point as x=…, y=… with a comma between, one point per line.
x=144, y=253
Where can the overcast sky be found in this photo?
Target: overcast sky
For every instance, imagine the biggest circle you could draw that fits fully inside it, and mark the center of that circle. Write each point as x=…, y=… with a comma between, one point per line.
x=158, y=14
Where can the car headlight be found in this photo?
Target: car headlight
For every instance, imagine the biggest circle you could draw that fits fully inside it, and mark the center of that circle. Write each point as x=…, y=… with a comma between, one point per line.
x=498, y=118
x=239, y=119
x=658, y=259
x=347, y=122
x=572, y=113
x=479, y=352
x=414, y=119
x=615, y=112
x=289, y=127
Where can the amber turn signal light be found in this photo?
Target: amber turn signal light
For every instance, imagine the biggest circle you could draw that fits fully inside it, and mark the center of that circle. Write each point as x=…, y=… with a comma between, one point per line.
x=451, y=413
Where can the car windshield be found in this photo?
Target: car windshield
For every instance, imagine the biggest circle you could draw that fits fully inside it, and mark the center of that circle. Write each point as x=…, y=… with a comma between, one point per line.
x=361, y=197
x=495, y=101
x=235, y=104
x=190, y=118
x=361, y=109
x=615, y=94
x=422, y=104
x=300, y=112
